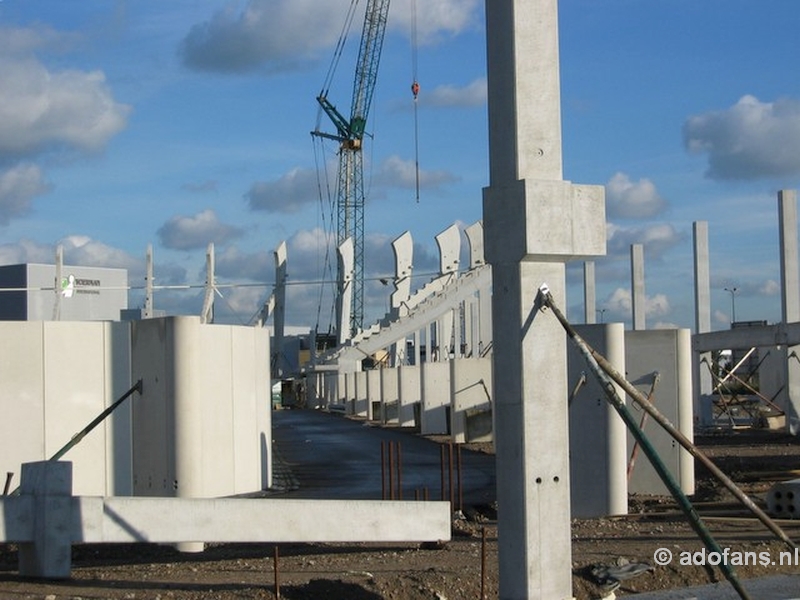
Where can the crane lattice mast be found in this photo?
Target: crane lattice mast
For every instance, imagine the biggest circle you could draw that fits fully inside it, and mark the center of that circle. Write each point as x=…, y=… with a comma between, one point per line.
x=350, y=133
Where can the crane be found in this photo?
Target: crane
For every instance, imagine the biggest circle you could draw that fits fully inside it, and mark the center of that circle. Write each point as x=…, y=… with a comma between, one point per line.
x=350, y=135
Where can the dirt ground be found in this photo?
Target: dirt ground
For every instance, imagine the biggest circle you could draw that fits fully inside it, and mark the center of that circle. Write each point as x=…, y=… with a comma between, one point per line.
x=461, y=568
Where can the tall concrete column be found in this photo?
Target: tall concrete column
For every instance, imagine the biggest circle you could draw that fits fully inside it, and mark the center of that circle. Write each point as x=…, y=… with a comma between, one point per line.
x=638, y=298
x=534, y=223
x=702, y=324
x=790, y=302
x=790, y=286
x=589, y=293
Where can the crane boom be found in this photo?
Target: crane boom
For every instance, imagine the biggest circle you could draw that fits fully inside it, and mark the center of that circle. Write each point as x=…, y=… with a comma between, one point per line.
x=350, y=132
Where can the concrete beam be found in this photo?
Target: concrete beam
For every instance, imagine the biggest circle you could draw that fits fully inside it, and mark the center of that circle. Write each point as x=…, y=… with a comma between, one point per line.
x=46, y=520
x=781, y=334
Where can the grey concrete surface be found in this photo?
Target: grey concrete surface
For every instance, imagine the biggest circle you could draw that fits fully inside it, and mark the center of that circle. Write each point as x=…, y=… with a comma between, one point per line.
x=321, y=455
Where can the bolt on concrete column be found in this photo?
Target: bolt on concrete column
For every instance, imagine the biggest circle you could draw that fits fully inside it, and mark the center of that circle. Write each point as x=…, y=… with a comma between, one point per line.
x=534, y=222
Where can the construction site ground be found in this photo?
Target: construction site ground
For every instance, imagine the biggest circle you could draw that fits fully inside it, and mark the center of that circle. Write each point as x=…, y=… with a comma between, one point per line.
x=462, y=568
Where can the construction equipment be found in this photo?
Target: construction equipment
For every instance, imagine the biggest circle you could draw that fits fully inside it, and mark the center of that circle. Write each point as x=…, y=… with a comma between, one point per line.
x=350, y=135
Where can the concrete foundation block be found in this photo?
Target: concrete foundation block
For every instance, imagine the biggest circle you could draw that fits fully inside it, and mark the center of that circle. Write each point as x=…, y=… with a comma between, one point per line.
x=783, y=499
x=49, y=554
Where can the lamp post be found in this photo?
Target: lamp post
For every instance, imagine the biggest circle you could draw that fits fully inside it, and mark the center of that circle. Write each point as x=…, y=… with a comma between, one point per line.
x=602, y=312
x=732, y=292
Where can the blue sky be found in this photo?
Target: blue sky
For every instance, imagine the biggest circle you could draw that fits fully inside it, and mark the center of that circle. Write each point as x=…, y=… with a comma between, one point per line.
x=180, y=123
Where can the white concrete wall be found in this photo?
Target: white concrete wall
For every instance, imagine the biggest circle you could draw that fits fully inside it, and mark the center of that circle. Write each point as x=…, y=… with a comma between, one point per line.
x=435, y=397
x=373, y=393
x=669, y=352
x=470, y=390
x=55, y=378
x=362, y=404
x=202, y=425
x=597, y=434
x=390, y=396
x=410, y=390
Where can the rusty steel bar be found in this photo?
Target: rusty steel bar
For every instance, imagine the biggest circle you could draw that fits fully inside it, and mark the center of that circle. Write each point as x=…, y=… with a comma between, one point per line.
x=441, y=467
x=276, y=573
x=391, y=470
x=399, y=472
x=383, y=470
x=483, y=563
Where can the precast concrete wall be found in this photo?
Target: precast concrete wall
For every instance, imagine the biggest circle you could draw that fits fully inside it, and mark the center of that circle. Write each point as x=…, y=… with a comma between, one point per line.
x=362, y=402
x=470, y=399
x=390, y=396
x=597, y=434
x=202, y=424
x=55, y=378
x=373, y=394
x=410, y=391
x=667, y=352
x=349, y=393
x=435, y=398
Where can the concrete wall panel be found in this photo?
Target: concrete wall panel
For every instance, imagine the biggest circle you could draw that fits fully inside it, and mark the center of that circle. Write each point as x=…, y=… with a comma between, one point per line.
x=668, y=352
x=361, y=406
x=470, y=385
x=205, y=387
x=597, y=435
x=390, y=396
x=435, y=397
x=21, y=395
x=373, y=393
x=410, y=391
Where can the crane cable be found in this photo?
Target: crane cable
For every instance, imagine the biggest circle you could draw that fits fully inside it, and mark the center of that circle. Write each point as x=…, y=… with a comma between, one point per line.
x=415, y=91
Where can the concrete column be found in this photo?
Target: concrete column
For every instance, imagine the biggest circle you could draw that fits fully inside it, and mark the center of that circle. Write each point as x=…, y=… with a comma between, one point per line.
x=589, y=293
x=638, y=298
x=534, y=222
x=279, y=317
x=790, y=301
x=790, y=284
x=148, y=283
x=49, y=555
x=701, y=374
x=344, y=295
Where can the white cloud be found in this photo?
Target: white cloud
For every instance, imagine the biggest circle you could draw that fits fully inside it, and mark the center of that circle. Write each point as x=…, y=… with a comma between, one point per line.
x=632, y=200
x=657, y=239
x=750, y=140
x=770, y=288
x=438, y=20
x=402, y=173
x=234, y=264
x=86, y=252
x=23, y=41
x=620, y=303
x=27, y=251
x=186, y=233
x=277, y=34
x=448, y=96
x=264, y=33
x=45, y=110
x=288, y=194
x=19, y=185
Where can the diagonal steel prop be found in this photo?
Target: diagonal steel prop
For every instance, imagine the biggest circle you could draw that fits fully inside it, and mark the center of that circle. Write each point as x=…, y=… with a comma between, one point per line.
x=677, y=435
